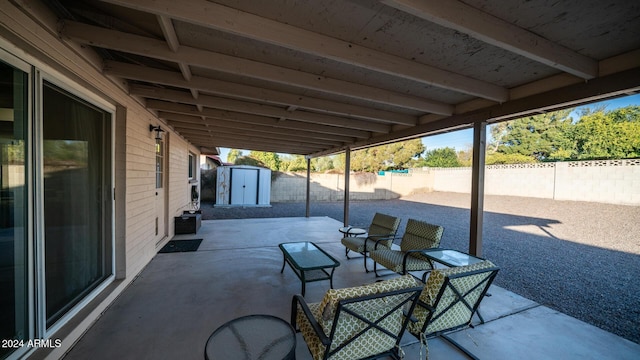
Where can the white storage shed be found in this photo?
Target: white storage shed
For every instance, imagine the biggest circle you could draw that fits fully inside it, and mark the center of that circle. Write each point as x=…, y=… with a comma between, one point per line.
x=243, y=185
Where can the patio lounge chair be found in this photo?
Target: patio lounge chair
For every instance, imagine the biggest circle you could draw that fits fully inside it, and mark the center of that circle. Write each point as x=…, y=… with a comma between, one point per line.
x=364, y=322
x=418, y=236
x=450, y=298
x=380, y=235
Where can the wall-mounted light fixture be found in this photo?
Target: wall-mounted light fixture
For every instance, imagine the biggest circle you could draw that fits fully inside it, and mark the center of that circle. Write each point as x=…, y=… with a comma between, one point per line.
x=158, y=131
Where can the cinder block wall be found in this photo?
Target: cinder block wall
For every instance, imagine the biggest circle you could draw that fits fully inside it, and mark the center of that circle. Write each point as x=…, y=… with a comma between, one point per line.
x=610, y=181
x=606, y=181
x=291, y=187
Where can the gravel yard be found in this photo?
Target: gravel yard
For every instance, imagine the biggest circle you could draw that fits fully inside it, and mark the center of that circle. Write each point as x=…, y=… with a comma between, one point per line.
x=580, y=258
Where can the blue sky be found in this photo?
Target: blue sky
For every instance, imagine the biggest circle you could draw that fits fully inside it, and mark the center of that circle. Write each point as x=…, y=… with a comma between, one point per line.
x=462, y=139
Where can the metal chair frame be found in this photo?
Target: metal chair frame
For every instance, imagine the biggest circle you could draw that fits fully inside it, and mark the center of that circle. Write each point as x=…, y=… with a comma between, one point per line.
x=343, y=308
x=460, y=298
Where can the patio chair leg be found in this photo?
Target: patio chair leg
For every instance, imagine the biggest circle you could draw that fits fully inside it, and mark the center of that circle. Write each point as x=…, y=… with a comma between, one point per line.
x=365, y=263
x=375, y=269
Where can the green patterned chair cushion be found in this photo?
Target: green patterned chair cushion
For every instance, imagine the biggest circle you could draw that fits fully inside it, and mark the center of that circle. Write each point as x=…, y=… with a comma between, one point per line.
x=445, y=317
x=331, y=298
x=393, y=260
x=418, y=235
x=348, y=327
x=315, y=345
x=382, y=225
x=421, y=235
x=357, y=244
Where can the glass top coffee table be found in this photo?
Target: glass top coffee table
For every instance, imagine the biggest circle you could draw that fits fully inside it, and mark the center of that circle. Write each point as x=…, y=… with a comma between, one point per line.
x=450, y=258
x=308, y=262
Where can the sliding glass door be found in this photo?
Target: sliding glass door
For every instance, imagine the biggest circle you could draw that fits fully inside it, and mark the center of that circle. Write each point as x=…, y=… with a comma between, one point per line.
x=76, y=176
x=56, y=202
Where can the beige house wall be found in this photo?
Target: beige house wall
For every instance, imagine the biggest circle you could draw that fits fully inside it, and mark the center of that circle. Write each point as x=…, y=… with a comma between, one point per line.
x=33, y=38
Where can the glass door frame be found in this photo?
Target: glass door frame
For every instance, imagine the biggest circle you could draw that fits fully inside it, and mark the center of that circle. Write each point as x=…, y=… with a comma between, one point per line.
x=30, y=301
x=38, y=171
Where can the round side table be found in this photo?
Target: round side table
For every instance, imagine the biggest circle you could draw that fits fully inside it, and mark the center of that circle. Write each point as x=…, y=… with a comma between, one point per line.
x=252, y=337
x=352, y=231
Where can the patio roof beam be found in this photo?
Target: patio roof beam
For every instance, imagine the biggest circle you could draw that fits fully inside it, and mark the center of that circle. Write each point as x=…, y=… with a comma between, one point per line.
x=258, y=144
x=149, y=47
x=311, y=143
x=245, y=92
x=616, y=84
x=210, y=124
x=226, y=19
x=188, y=132
x=466, y=19
x=186, y=123
x=171, y=39
x=250, y=107
x=253, y=119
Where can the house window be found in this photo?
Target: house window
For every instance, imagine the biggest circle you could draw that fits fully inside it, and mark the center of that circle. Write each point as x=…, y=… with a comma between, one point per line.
x=192, y=166
x=159, y=162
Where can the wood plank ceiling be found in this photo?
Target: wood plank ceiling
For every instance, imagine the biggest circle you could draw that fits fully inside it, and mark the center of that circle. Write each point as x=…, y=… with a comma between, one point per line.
x=314, y=77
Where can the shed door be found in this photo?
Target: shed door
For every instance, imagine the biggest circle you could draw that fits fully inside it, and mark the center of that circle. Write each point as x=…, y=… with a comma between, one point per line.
x=244, y=186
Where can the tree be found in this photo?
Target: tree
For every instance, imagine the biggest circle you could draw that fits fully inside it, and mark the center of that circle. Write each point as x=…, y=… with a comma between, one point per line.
x=544, y=137
x=322, y=164
x=268, y=159
x=233, y=155
x=500, y=158
x=465, y=157
x=295, y=163
x=247, y=160
x=391, y=156
x=444, y=157
x=604, y=134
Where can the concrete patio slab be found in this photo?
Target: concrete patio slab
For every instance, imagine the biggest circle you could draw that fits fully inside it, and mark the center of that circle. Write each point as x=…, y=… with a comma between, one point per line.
x=179, y=299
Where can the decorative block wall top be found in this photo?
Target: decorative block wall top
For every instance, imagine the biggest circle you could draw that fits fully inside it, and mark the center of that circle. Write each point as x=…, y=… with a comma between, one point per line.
x=600, y=163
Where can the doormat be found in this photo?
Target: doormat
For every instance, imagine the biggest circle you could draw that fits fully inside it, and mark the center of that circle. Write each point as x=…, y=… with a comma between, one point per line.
x=181, y=246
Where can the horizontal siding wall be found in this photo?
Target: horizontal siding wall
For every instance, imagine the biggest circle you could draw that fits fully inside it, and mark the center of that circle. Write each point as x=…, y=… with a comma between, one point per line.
x=30, y=33
x=179, y=185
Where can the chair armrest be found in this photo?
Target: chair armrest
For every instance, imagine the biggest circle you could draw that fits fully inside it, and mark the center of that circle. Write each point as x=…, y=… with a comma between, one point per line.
x=383, y=237
x=407, y=254
x=424, y=276
x=298, y=299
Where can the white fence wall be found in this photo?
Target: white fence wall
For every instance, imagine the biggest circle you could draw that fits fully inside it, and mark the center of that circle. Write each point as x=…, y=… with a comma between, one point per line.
x=608, y=181
x=613, y=181
x=291, y=187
